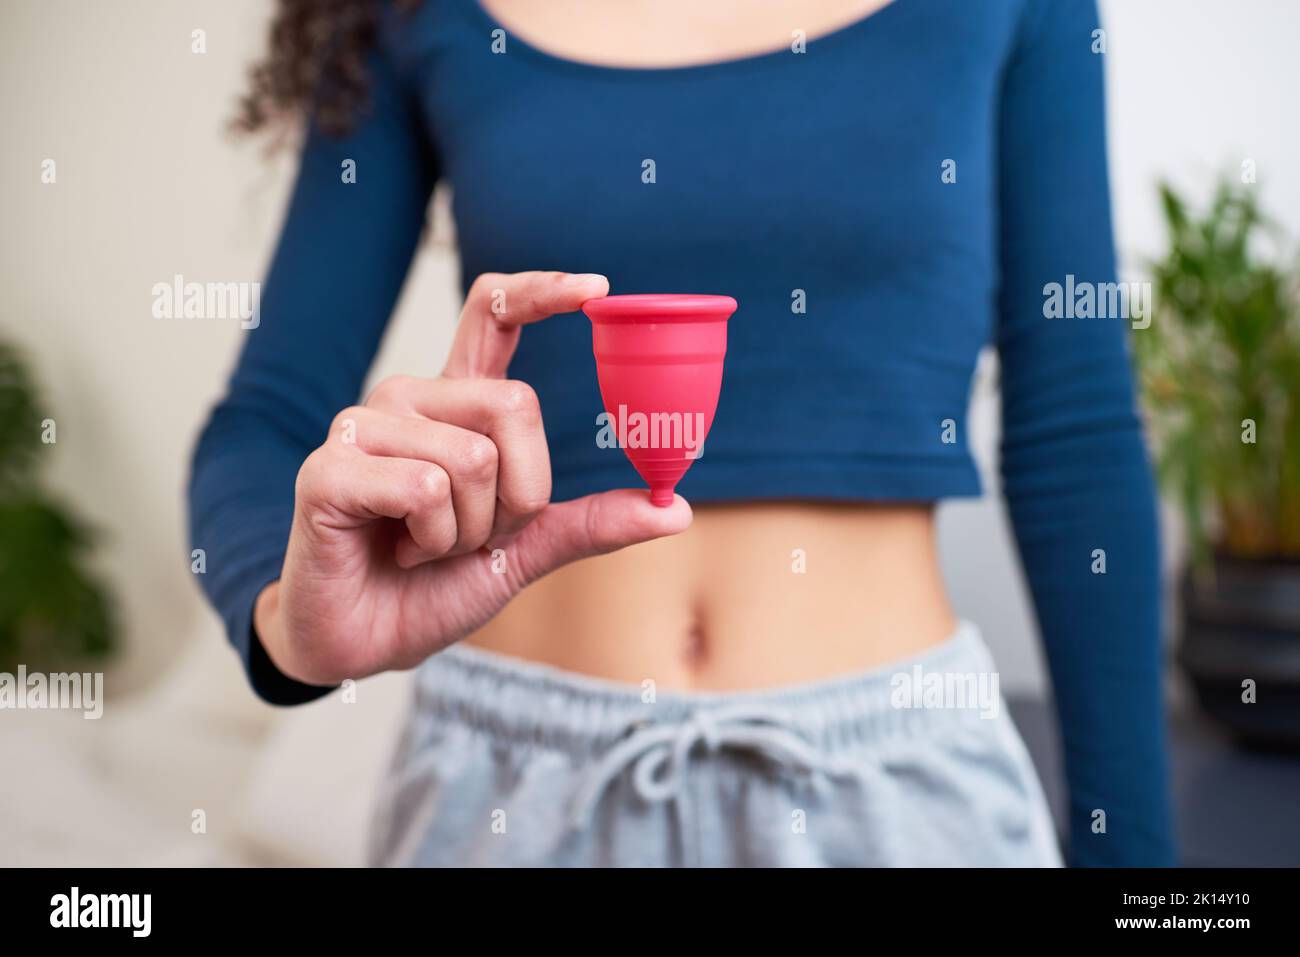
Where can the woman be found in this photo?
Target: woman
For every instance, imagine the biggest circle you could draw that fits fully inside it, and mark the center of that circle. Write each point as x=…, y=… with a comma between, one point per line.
x=885, y=188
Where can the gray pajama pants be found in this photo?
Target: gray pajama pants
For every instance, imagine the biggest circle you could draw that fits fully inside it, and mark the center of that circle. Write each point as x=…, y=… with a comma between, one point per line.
x=509, y=763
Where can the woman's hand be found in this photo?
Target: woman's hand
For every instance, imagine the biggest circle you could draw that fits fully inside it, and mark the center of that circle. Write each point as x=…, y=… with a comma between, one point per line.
x=428, y=508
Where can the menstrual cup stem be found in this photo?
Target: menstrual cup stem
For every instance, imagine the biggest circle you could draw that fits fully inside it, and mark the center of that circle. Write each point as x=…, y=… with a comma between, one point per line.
x=661, y=495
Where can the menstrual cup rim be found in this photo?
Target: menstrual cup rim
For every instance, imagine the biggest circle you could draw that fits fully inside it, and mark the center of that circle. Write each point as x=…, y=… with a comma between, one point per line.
x=660, y=307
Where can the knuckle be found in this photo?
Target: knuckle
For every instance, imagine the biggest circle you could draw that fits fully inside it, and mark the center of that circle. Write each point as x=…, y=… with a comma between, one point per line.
x=351, y=415
x=484, y=283
x=432, y=486
x=479, y=457
x=389, y=391
x=598, y=531
x=520, y=403
x=541, y=300
x=311, y=477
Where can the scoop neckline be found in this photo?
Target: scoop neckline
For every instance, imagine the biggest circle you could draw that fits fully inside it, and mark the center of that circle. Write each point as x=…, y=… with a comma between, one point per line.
x=479, y=12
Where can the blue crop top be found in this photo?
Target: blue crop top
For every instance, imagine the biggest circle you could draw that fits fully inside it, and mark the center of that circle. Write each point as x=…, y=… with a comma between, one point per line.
x=913, y=180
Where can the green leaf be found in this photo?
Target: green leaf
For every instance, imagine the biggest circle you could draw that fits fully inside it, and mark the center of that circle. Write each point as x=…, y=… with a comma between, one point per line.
x=1224, y=346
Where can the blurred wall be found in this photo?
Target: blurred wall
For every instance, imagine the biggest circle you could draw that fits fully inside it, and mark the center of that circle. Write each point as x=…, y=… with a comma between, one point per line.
x=149, y=186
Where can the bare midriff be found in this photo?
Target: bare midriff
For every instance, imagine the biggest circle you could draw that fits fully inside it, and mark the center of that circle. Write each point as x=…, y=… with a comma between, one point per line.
x=752, y=595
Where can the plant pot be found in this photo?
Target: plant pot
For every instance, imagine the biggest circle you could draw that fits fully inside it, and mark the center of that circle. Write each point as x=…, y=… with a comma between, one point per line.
x=659, y=364
x=1241, y=620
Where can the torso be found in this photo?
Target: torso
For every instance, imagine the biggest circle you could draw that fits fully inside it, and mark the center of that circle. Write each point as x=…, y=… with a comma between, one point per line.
x=755, y=594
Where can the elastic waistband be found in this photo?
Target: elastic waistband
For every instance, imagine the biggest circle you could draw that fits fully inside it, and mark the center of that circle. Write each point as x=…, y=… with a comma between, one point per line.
x=525, y=701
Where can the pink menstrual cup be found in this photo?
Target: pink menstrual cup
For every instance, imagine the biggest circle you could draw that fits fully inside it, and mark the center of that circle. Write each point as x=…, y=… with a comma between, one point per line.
x=659, y=362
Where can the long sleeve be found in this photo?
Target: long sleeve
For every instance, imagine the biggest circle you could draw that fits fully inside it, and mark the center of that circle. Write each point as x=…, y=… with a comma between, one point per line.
x=1075, y=470
x=342, y=257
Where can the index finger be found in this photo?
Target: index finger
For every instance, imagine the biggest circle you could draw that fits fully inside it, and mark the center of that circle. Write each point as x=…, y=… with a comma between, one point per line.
x=498, y=304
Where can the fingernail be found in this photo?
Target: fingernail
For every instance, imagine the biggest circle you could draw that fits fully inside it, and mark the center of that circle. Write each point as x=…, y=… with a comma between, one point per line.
x=586, y=277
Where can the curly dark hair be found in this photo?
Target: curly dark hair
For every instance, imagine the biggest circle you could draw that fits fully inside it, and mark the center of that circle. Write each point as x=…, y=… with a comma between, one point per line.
x=317, y=57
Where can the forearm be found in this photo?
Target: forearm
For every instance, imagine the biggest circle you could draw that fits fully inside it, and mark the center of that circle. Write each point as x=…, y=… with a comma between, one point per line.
x=1089, y=542
x=241, y=507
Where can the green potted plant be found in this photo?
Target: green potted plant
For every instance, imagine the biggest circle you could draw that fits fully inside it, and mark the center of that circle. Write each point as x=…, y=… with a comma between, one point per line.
x=1220, y=370
x=52, y=610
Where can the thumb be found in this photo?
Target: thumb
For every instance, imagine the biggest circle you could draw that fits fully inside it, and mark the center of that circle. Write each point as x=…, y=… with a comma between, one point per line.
x=568, y=531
